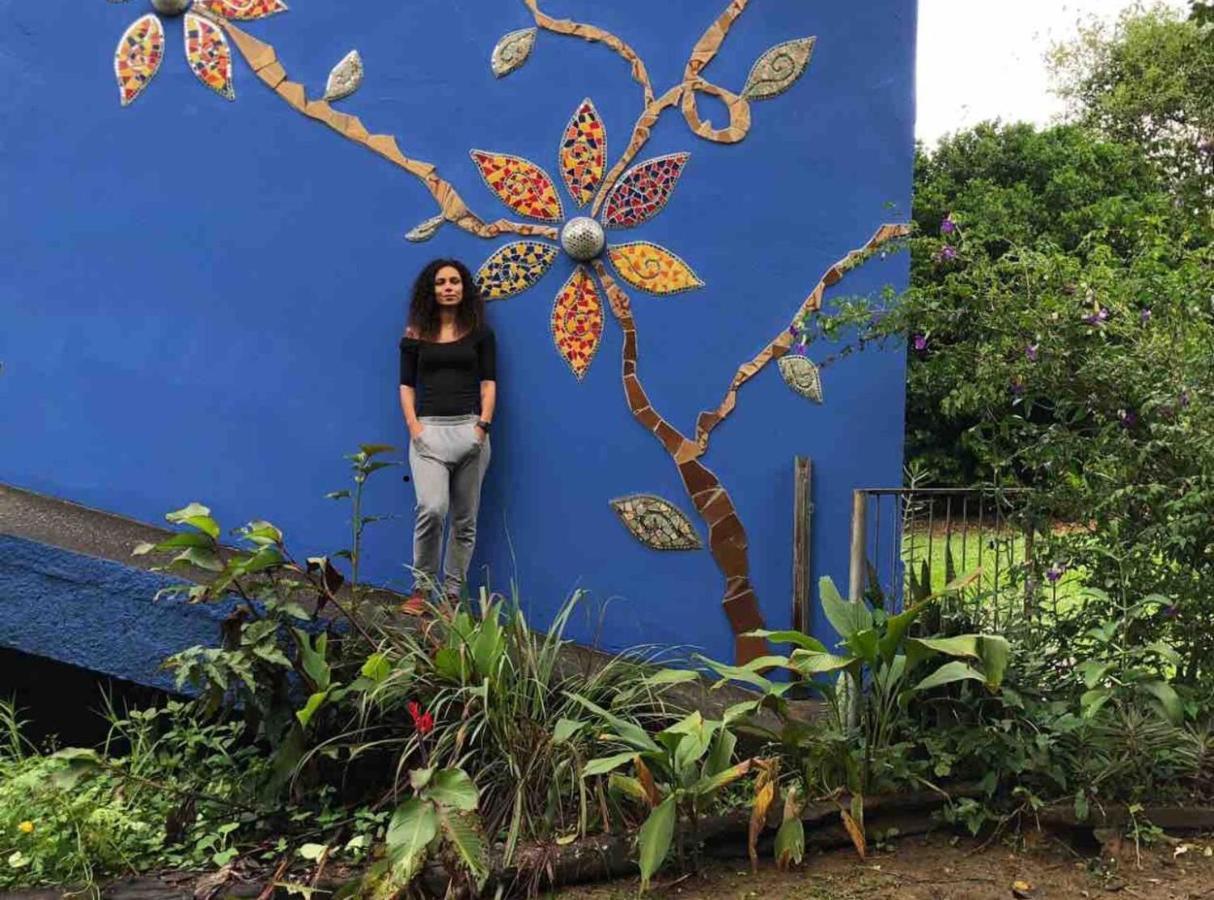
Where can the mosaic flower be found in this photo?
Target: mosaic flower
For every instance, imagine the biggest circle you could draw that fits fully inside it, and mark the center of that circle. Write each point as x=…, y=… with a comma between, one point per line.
x=140, y=50
x=638, y=195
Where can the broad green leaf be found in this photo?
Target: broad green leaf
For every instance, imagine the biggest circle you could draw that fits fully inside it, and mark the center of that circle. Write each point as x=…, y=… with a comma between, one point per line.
x=1168, y=699
x=312, y=852
x=845, y=616
x=670, y=676
x=177, y=541
x=653, y=840
x=629, y=732
x=1093, y=671
x=948, y=673
x=748, y=674
x=419, y=778
x=261, y=532
x=895, y=630
x=312, y=656
x=706, y=786
x=449, y=663
x=790, y=843
x=994, y=651
x=798, y=638
x=740, y=711
x=565, y=729
x=413, y=826
x=315, y=702
x=1091, y=701
x=201, y=557
x=813, y=663
x=462, y=832
x=722, y=752
x=197, y=516
x=629, y=787
x=865, y=645
x=376, y=668
x=605, y=764
x=453, y=788
x=488, y=645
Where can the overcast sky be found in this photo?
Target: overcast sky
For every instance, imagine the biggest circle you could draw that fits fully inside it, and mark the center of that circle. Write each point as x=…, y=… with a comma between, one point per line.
x=981, y=59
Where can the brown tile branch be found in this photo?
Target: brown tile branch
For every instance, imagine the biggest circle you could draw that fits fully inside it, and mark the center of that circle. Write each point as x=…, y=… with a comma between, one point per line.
x=592, y=33
x=782, y=343
x=264, y=62
x=726, y=534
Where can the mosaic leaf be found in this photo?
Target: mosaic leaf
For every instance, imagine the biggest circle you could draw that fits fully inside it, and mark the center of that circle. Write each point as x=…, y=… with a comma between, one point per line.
x=425, y=230
x=801, y=374
x=643, y=191
x=138, y=56
x=520, y=184
x=345, y=78
x=584, y=153
x=778, y=69
x=656, y=523
x=513, y=268
x=209, y=54
x=512, y=51
x=577, y=321
x=652, y=268
x=242, y=9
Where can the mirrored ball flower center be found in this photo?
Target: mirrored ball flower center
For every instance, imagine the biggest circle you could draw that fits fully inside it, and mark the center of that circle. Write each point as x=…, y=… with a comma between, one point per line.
x=171, y=7
x=583, y=238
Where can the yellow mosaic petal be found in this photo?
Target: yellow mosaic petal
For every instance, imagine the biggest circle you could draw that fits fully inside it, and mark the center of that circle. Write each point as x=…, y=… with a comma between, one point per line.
x=656, y=523
x=520, y=184
x=137, y=57
x=514, y=268
x=584, y=153
x=652, y=268
x=209, y=54
x=242, y=9
x=577, y=321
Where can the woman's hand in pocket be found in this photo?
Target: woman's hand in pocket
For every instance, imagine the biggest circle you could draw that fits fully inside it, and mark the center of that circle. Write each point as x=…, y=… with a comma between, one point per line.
x=415, y=431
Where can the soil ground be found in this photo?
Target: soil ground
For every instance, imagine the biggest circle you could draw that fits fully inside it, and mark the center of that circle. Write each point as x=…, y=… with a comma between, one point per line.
x=934, y=868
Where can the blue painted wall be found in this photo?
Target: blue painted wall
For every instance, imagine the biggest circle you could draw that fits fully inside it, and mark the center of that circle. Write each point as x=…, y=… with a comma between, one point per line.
x=201, y=299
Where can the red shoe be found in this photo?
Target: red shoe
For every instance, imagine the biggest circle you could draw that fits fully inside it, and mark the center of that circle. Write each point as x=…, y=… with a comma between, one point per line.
x=415, y=605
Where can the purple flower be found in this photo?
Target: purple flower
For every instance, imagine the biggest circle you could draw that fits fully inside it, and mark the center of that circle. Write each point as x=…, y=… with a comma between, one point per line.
x=947, y=253
x=1128, y=418
x=1184, y=398
x=1145, y=315
x=792, y=329
x=1030, y=352
x=1170, y=611
x=919, y=342
x=947, y=225
x=1099, y=317
x=1017, y=388
x=1055, y=572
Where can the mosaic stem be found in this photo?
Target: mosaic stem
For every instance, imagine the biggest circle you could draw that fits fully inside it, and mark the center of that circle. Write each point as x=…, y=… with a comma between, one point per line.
x=782, y=343
x=726, y=534
x=592, y=33
x=264, y=62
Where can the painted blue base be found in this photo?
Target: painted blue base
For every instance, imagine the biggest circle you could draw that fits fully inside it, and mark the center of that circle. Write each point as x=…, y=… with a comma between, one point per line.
x=95, y=613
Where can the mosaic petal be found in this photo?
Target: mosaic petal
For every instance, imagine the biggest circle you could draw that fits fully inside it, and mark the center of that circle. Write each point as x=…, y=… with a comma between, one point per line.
x=652, y=268
x=520, y=184
x=512, y=51
x=209, y=54
x=656, y=523
x=242, y=9
x=577, y=321
x=643, y=191
x=801, y=374
x=778, y=69
x=584, y=153
x=138, y=56
x=514, y=268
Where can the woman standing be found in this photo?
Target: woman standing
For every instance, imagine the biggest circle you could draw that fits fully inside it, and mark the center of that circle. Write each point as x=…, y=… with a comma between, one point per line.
x=448, y=390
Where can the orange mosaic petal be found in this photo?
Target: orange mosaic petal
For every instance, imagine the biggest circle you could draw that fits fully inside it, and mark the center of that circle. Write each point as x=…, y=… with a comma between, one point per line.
x=209, y=55
x=242, y=9
x=521, y=185
x=138, y=56
x=652, y=268
x=583, y=153
x=577, y=321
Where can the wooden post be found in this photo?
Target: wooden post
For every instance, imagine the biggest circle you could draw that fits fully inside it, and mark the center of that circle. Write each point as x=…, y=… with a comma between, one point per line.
x=802, y=526
x=859, y=535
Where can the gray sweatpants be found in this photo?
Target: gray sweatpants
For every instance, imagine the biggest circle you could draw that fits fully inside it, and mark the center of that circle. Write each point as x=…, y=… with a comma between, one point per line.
x=448, y=462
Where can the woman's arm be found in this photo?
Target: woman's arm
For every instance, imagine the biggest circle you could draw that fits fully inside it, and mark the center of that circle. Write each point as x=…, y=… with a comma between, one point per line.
x=488, y=403
x=408, y=405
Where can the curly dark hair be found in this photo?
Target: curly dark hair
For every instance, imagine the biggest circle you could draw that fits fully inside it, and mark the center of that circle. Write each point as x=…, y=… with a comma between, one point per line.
x=423, y=308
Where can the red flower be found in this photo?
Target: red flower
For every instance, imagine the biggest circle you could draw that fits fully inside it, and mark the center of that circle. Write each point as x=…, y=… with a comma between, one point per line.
x=423, y=722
